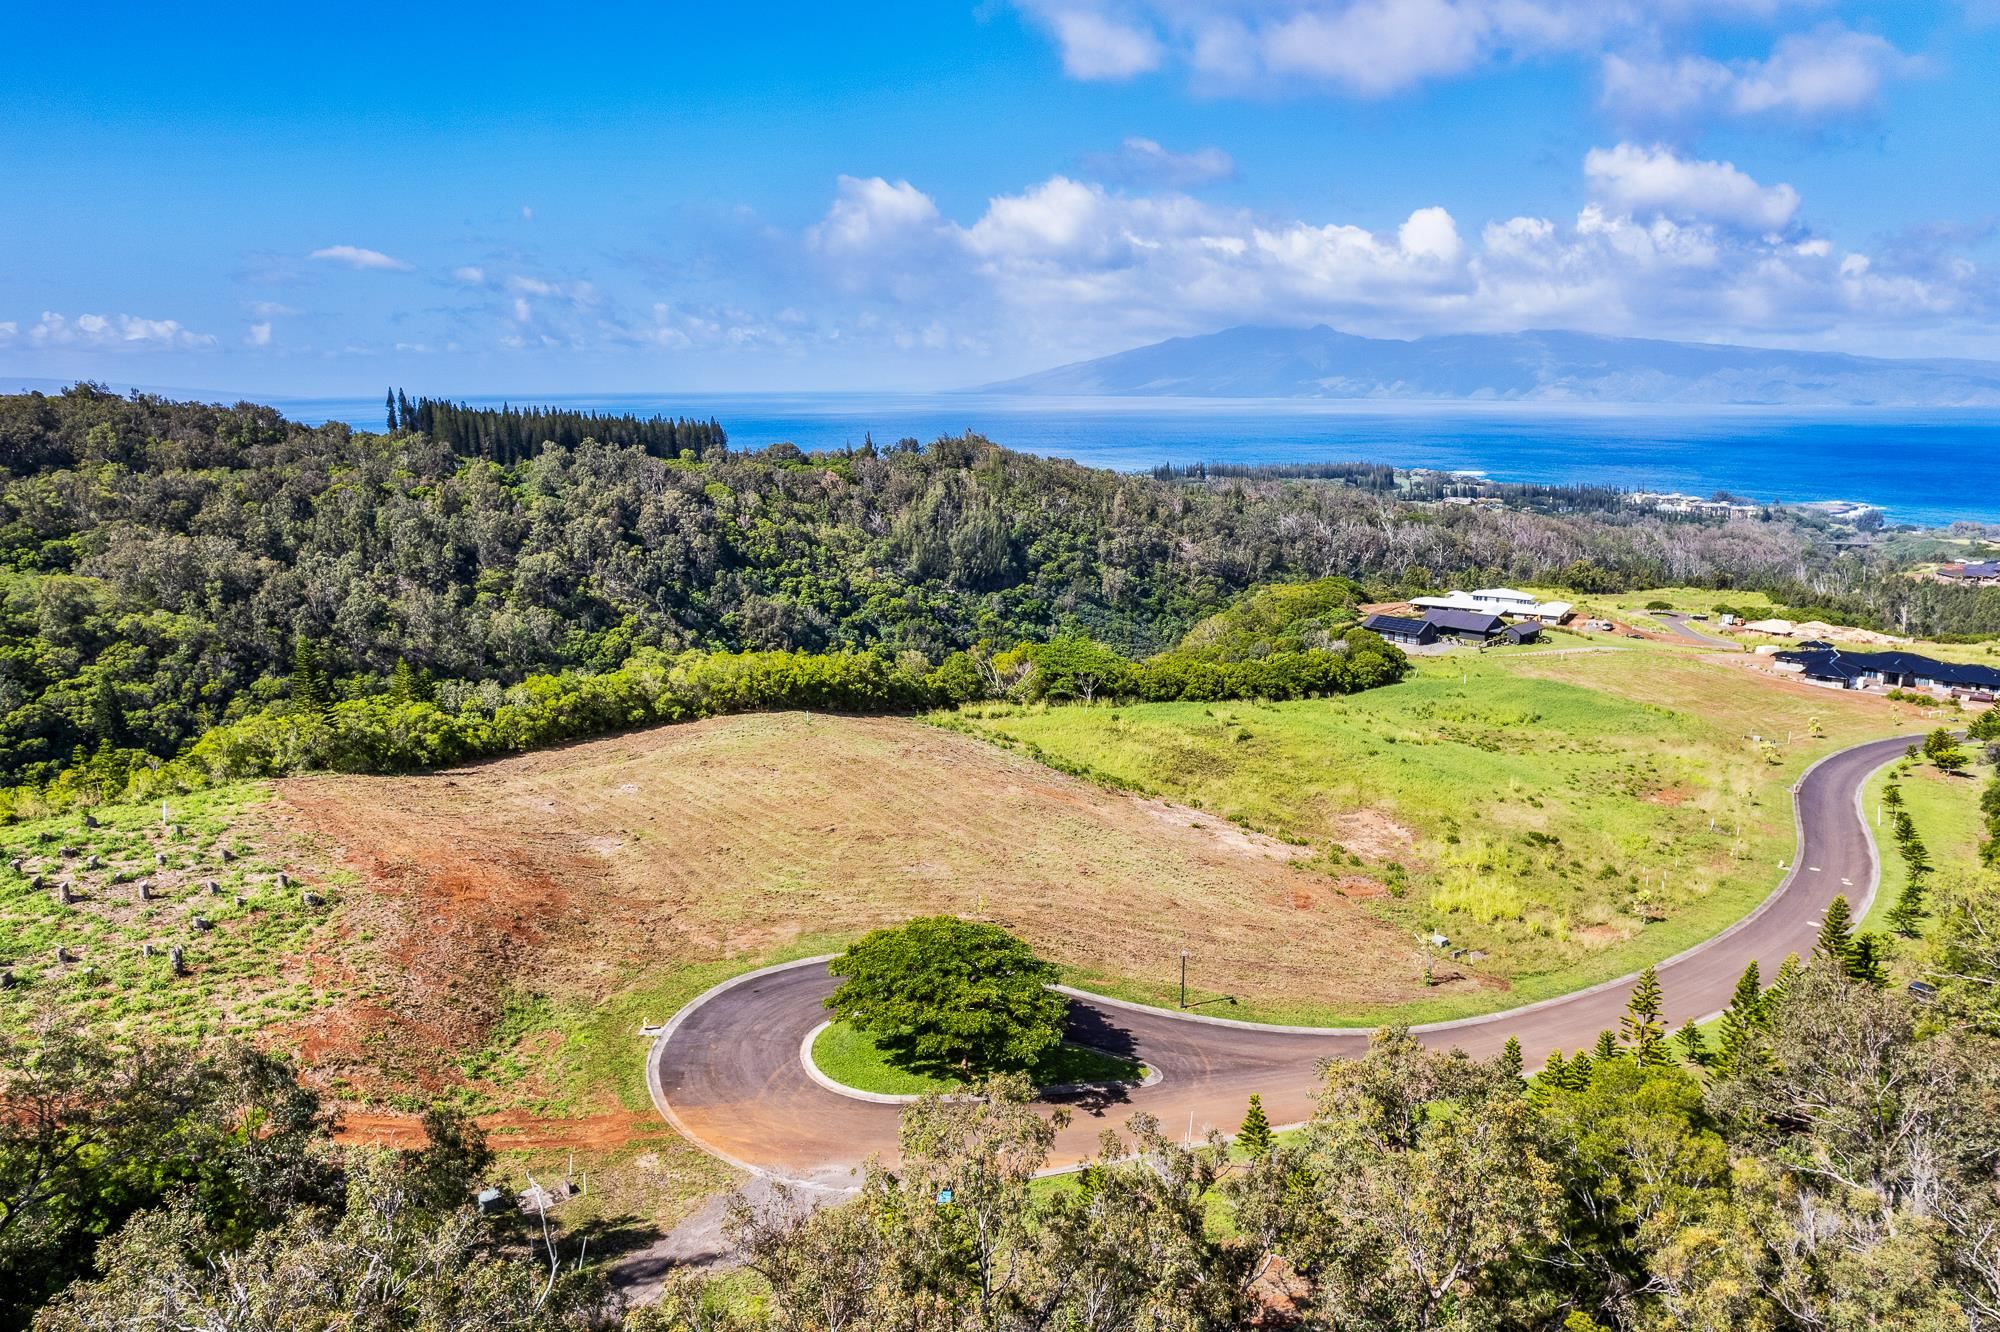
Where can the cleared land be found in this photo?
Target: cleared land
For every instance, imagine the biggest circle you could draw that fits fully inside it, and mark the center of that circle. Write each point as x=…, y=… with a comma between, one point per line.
x=1564, y=818
x=539, y=909
x=256, y=953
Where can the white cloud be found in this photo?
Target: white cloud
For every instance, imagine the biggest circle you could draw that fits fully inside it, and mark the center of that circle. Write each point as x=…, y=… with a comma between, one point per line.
x=269, y=309
x=1097, y=46
x=1656, y=180
x=1830, y=71
x=1666, y=247
x=867, y=212
x=469, y=273
x=354, y=256
x=259, y=335
x=1373, y=48
x=1144, y=161
x=115, y=332
x=9, y=330
x=1431, y=234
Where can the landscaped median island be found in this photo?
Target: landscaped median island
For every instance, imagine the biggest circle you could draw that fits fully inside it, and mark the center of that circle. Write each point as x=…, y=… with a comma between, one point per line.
x=938, y=1003
x=855, y=1059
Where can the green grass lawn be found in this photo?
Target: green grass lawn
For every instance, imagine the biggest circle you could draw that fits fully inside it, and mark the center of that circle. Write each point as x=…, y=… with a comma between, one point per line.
x=1571, y=818
x=853, y=1058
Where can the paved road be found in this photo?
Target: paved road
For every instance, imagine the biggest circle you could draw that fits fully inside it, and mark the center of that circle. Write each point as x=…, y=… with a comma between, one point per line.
x=1677, y=625
x=727, y=1072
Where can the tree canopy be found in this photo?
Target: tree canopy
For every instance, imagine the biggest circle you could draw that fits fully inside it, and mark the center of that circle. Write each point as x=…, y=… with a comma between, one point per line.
x=943, y=993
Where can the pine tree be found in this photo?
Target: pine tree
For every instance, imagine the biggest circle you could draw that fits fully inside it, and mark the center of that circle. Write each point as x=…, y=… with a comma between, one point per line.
x=403, y=687
x=1788, y=972
x=1694, y=1048
x=1866, y=960
x=1555, y=1070
x=1606, y=1048
x=1892, y=796
x=308, y=677
x=1577, y=1075
x=1510, y=1062
x=1643, y=1031
x=1742, y=1034
x=403, y=404
x=1254, y=1134
x=1907, y=916
x=107, y=717
x=1836, y=932
x=391, y=404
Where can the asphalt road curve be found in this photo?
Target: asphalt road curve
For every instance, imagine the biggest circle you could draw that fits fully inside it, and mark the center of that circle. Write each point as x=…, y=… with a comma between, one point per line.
x=727, y=1071
x=1678, y=625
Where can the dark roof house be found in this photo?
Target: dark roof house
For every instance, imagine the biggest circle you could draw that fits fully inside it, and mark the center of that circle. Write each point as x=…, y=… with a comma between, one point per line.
x=1853, y=670
x=1466, y=624
x=1401, y=628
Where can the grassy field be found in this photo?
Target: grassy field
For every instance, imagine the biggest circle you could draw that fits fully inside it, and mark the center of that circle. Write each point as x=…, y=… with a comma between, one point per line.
x=254, y=953
x=853, y=1058
x=1563, y=818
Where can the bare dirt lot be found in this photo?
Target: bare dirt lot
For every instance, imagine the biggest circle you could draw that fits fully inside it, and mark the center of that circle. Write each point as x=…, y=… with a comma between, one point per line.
x=558, y=882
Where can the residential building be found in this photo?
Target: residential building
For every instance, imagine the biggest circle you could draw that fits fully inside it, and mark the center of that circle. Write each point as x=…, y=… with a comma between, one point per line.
x=1402, y=629
x=1892, y=670
x=1985, y=573
x=1465, y=626
x=1498, y=601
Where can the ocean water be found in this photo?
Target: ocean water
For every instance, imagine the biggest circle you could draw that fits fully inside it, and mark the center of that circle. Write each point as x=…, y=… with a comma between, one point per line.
x=1931, y=467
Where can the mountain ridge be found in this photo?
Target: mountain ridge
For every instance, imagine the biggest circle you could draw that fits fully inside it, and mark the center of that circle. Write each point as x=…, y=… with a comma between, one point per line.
x=1535, y=365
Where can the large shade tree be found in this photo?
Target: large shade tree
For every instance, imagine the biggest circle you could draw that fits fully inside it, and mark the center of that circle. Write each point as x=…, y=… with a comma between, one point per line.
x=940, y=992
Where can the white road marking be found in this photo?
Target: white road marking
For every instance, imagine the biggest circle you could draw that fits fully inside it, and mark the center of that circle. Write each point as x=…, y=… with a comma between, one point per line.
x=1813, y=868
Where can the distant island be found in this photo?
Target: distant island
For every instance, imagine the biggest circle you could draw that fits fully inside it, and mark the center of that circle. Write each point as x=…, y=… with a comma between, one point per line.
x=1539, y=366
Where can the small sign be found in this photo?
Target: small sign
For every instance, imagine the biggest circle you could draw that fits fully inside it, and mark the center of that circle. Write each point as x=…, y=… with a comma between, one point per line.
x=944, y=1197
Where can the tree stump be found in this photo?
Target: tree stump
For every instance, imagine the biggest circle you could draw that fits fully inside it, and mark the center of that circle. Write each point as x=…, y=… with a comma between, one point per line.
x=159, y=859
x=311, y=899
x=282, y=879
x=18, y=865
x=226, y=855
x=145, y=887
x=89, y=820
x=213, y=888
x=63, y=955
x=202, y=923
x=65, y=894
x=177, y=960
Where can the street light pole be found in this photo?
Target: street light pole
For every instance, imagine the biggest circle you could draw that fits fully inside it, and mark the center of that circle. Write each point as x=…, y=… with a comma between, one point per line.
x=1183, y=978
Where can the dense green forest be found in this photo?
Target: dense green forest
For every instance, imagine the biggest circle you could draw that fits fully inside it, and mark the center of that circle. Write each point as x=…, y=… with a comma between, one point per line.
x=174, y=567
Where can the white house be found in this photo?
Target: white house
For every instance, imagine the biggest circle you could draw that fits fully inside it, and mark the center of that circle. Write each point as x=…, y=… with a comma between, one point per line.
x=1498, y=601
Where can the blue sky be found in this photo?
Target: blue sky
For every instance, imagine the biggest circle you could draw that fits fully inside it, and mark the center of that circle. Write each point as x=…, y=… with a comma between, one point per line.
x=519, y=200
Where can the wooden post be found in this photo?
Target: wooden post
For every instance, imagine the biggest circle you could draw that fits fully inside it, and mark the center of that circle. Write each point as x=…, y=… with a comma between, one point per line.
x=177, y=960
x=145, y=890
x=64, y=894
